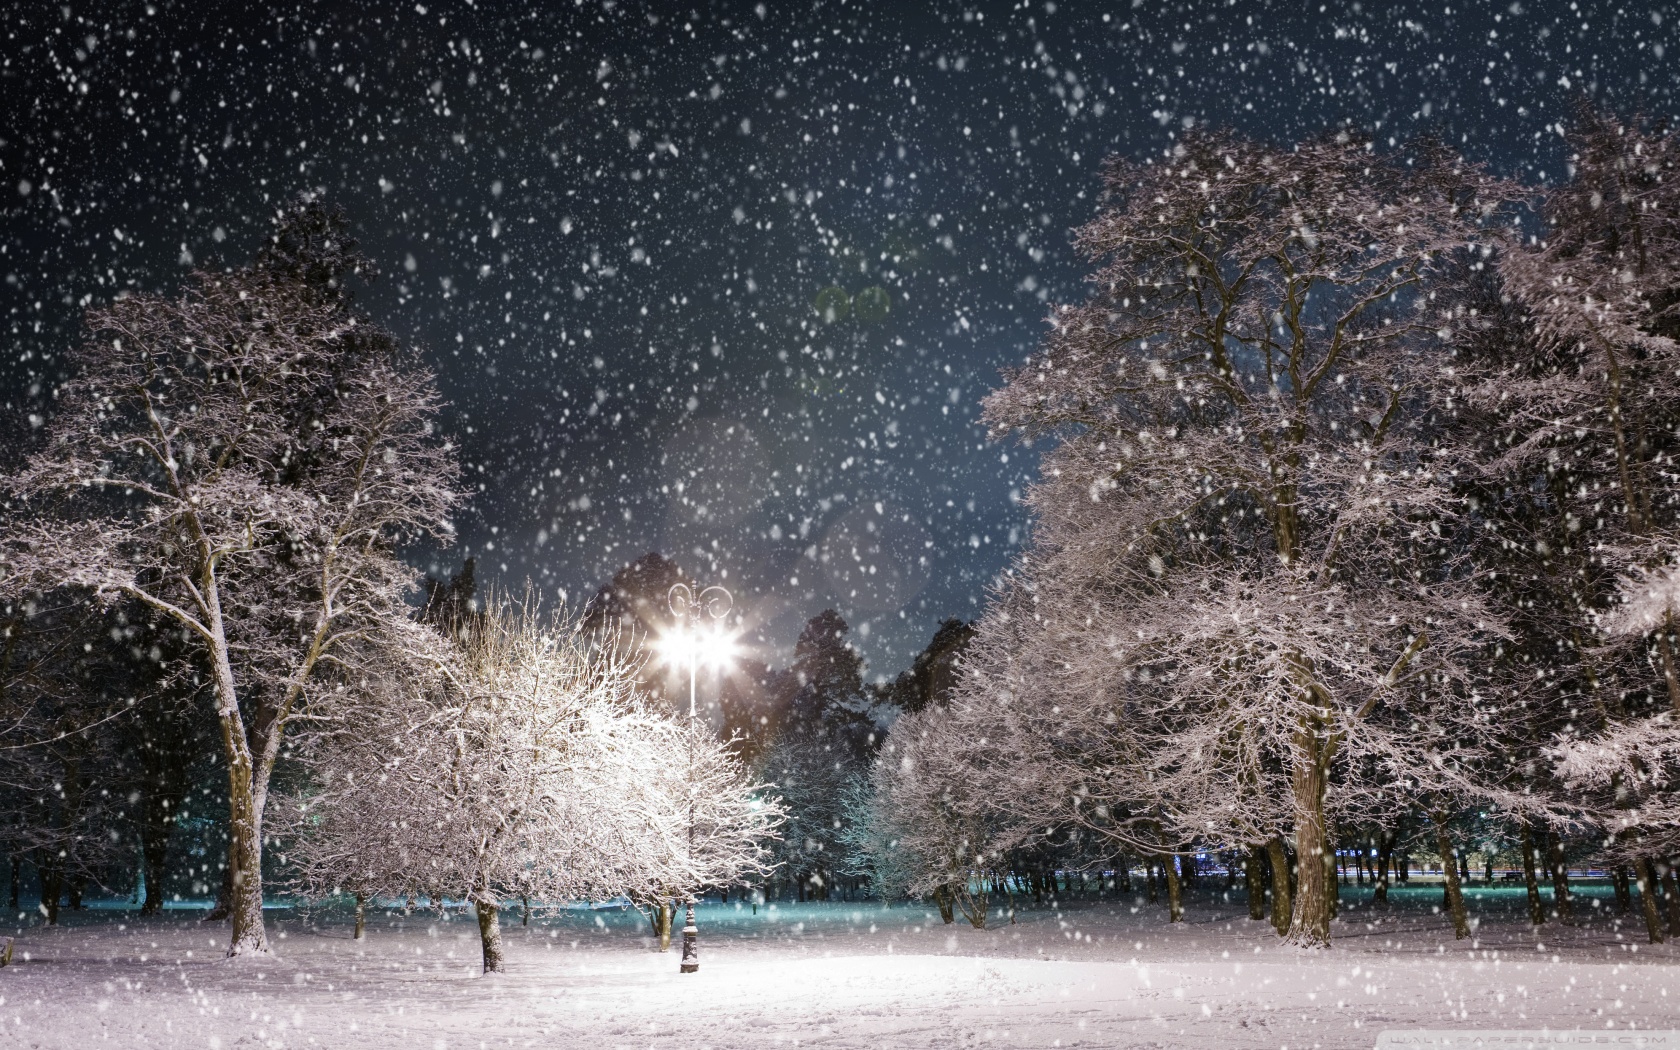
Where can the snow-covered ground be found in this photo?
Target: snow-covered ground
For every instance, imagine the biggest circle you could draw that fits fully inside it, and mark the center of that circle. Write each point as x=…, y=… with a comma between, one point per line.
x=1086, y=973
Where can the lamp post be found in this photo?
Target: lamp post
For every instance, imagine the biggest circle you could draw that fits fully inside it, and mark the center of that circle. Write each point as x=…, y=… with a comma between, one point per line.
x=691, y=611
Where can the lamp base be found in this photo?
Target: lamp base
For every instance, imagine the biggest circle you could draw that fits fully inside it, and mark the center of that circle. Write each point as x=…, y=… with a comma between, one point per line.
x=690, y=943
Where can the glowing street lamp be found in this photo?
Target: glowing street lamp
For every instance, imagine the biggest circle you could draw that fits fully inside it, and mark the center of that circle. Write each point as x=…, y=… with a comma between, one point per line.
x=697, y=637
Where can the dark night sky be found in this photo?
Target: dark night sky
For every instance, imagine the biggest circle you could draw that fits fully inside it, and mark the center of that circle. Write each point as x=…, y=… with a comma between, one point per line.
x=609, y=227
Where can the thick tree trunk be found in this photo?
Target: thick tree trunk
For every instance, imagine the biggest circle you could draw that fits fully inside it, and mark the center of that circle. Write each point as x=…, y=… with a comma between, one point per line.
x=490, y=935
x=248, y=936
x=1561, y=903
x=1536, y=910
x=1254, y=882
x=1449, y=871
x=361, y=916
x=1281, y=906
x=1647, y=880
x=1309, y=923
x=943, y=897
x=662, y=920
x=1619, y=879
x=1175, y=892
x=1123, y=871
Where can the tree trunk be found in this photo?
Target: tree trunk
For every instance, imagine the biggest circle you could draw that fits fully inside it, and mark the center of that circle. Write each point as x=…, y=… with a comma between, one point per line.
x=1561, y=903
x=154, y=849
x=248, y=936
x=361, y=916
x=77, y=883
x=973, y=904
x=1647, y=880
x=942, y=896
x=1536, y=910
x=1672, y=892
x=1385, y=857
x=1149, y=866
x=52, y=884
x=1254, y=883
x=1333, y=895
x=1624, y=893
x=1309, y=924
x=17, y=880
x=1186, y=869
x=1123, y=872
x=1281, y=906
x=662, y=920
x=1175, y=894
x=490, y=935
x=524, y=911
x=1449, y=871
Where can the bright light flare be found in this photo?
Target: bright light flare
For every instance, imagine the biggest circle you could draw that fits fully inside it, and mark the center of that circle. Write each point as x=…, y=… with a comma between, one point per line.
x=714, y=649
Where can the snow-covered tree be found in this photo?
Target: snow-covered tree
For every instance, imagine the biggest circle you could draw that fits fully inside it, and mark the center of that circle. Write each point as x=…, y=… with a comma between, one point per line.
x=517, y=760
x=1574, y=386
x=930, y=829
x=243, y=460
x=1244, y=612
x=821, y=736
